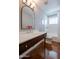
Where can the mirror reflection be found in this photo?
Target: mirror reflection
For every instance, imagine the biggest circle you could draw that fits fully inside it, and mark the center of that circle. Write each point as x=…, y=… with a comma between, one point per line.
x=27, y=18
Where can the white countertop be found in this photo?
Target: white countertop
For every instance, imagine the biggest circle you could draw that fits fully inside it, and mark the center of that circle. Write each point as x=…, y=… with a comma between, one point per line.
x=24, y=36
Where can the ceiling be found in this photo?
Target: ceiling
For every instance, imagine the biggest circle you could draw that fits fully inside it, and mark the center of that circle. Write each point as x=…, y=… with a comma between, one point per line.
x=51, y=6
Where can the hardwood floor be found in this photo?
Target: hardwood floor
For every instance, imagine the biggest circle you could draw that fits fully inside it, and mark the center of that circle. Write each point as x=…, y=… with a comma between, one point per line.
x=53, y=50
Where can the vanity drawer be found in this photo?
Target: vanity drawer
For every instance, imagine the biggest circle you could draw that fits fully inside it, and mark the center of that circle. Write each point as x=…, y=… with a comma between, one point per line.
x=28, y=44
x=22, y=47
x=33, y=41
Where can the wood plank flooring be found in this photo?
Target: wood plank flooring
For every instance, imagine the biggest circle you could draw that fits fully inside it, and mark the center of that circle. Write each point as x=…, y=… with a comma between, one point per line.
x=53, y=50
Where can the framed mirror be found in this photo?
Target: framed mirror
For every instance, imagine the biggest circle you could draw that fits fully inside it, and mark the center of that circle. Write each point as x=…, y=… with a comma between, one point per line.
x=27, y=18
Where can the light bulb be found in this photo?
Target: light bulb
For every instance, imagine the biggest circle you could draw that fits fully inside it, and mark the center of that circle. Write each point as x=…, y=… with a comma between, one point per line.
x=32, y=5
x=24, y=1
x=28, y=3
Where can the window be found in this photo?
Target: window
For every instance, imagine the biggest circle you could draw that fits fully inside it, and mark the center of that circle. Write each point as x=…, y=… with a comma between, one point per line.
x=44, y=22
x=53, y=19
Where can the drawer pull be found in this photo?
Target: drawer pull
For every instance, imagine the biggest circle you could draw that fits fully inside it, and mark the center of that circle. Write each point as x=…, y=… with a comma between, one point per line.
x=26, y=46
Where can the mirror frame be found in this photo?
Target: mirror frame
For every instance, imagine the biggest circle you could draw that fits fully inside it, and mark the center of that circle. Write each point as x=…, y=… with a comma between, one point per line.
x=22, y=15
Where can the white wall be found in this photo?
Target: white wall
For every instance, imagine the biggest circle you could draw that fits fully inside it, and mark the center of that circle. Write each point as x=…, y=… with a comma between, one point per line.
x=39, y=15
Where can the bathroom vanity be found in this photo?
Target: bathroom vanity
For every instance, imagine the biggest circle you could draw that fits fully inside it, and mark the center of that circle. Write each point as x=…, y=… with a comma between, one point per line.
x=30, y=41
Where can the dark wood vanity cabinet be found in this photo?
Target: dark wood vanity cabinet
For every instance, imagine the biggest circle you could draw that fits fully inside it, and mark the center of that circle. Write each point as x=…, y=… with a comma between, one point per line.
x=30, y=43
